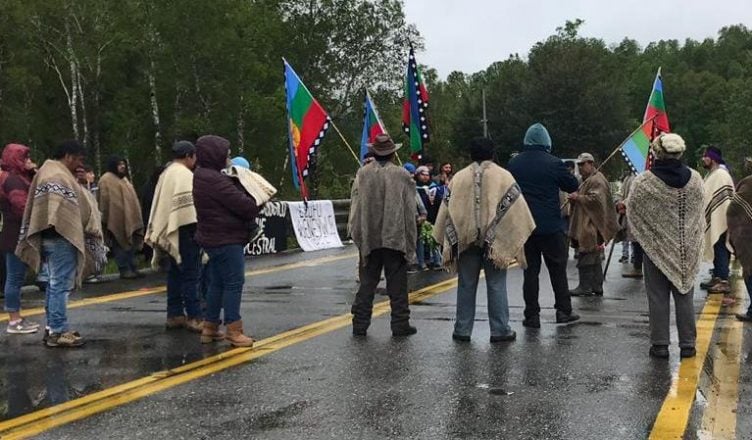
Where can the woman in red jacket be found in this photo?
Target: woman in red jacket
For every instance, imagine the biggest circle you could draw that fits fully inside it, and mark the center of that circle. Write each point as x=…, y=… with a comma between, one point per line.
x=15, y=178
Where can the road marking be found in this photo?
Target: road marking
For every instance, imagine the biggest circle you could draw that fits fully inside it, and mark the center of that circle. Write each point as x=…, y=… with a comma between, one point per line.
x=674, y=414
x=719, y=417
x=162, y=289
x=49, y=418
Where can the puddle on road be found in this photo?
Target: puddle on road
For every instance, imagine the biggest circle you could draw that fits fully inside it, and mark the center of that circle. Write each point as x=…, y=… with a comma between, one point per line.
x=494, y=391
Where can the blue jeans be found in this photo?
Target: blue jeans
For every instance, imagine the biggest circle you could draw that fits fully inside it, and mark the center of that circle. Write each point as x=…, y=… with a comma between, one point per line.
x=721, y=258
x=125, y=259
x=420, y=250
x=469, y=265
x=15, y=273
x=226, y=277
x=182, y=279
x=62, y=261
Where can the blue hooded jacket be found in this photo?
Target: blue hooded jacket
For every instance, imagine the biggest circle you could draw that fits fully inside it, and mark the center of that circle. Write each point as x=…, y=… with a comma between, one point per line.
x=541, y=176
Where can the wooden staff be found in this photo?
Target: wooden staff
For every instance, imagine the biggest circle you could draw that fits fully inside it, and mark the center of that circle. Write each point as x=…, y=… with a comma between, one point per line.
x=357, y=160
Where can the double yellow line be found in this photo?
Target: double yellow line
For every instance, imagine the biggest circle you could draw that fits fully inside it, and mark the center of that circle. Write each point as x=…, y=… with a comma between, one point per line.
x=162, y=289
x=46, y=419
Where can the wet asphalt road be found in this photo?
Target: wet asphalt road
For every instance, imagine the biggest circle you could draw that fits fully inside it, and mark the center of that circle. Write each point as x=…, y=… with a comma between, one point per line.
x=587, y=380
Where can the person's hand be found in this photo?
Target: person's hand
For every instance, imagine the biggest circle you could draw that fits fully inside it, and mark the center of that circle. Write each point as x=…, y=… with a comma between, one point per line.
x=621, y=208
x=573, y=197
x=421, y=219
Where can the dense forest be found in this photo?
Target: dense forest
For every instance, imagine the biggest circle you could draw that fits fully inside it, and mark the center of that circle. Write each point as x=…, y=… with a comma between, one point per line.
x=132, y=76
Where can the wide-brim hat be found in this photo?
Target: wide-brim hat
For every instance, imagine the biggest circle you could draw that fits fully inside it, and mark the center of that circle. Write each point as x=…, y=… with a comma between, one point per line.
x=383, y=145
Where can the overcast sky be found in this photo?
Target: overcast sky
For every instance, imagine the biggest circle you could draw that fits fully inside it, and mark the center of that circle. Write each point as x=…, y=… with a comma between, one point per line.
x=469, y=35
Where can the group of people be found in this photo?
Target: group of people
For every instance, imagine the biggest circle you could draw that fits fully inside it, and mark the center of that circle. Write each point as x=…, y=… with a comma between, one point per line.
x=491, y=218
x=60, y=225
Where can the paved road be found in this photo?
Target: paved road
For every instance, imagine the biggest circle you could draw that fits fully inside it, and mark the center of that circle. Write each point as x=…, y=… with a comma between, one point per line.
x=587, y=380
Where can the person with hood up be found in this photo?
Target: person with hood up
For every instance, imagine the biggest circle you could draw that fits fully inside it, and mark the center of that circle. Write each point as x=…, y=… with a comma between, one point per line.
x=171, y=231
x=541, y=176
x=664, y=215
x=593, y=224
x=121, y=216
x=225, y=213
x=15, y=178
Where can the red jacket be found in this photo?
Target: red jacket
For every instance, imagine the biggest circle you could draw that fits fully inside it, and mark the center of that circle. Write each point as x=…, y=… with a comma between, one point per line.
x=224, y=210
x=14, y=192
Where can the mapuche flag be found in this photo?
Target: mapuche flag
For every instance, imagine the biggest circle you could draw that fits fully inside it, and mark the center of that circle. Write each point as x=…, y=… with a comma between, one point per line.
x=656, y=112
x=636, y=147
x=372, y=126
x=307, y=125
x=415, y=107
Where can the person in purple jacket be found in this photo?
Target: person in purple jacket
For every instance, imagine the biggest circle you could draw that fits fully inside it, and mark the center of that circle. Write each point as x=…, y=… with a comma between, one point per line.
x=225, y=213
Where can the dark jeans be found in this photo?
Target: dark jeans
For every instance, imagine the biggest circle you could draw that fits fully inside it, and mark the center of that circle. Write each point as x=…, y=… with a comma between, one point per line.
x=226, y=277
x=721, y=259
x=553, y=248
x=395, y=270
x=637, y=253
x=183, y=278
x=125, y=259
x=660, y=290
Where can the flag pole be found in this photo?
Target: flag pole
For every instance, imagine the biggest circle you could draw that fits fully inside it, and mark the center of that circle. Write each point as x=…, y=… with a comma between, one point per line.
x=345, y=142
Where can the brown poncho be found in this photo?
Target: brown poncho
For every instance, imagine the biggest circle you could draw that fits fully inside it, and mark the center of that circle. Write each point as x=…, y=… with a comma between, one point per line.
x=593, y=220
x=55, y=201
x=121, y=211
x=383, y=210
x=739, y=218
x=485, y=208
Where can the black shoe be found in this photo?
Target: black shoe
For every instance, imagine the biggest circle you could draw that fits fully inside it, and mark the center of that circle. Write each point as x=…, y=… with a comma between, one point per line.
x=412, y=269
x=460, y=338
x=359, y=331
x=405, y=331
x=659, y=351
x=744, y=317
x=687, y=352
x=563, y=318
x=509, y=337
x=597, y=293
x=581, y=292
x=531, y=322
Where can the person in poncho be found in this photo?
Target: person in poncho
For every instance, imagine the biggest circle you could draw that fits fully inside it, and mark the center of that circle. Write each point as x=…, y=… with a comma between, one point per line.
x=57, y=227
x=719, y=190
x=483, y=223
x=593, y=225
x=382, y=225
x=739, y=218
x=664, y=215
x=171, y=231
x=121, y=216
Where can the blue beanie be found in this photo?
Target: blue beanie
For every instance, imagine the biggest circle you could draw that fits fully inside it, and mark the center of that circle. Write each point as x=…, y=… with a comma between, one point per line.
x=410, y=168
x=537, y=135
x=241, y=162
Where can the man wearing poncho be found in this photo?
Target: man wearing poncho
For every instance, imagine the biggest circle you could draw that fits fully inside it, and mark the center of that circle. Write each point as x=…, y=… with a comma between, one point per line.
x=739, y=216
x=121, y=216
x=664, y=216
x=57, y=227
x=719, y=189
x=483, y=223
x=593, y=224
x=171, y=231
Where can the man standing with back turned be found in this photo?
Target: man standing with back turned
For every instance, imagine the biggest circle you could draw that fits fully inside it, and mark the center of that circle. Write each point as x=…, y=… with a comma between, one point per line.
x=541, y=176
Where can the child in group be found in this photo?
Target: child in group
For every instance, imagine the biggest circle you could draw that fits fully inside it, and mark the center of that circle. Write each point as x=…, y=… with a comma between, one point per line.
x=255, y=185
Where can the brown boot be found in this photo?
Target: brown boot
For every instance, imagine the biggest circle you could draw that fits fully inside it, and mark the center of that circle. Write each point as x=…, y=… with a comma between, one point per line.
x=236, y=337
x=194, y=325
x=210, y=332
x=175, y=322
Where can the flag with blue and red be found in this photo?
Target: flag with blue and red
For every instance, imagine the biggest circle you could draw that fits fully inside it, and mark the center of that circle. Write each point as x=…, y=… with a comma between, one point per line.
x=372, y=126
x=415, y=107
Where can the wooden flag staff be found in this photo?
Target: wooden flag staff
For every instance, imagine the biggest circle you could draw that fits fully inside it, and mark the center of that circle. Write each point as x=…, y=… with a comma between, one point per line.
x=355, y=156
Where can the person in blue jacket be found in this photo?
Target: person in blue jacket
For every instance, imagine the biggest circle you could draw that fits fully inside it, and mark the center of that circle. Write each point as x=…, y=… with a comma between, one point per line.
x=541, y=176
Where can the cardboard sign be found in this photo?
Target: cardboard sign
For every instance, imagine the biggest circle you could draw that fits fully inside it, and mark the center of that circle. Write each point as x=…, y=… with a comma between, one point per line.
x=315, y=226
x=271, y=221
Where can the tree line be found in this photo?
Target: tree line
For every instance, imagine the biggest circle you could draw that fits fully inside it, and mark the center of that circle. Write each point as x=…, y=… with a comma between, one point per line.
x=132, y=76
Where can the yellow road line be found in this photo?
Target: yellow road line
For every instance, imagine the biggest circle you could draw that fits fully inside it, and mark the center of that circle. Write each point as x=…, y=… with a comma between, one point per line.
x=46, y=419
x=162, y=289
x=674, y=414
x=719, y=418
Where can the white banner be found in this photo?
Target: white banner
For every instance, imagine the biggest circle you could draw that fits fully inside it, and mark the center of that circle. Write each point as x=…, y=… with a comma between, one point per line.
x=315, y=226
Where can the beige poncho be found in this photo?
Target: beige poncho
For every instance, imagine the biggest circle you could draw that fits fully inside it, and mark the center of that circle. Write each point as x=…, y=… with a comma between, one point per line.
x=383, y=210
x=593, y=220
x=669, y=224
x=172, y=208
x=718, y=189
x=485, y=207
x=121, y=211
x=55, y=201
